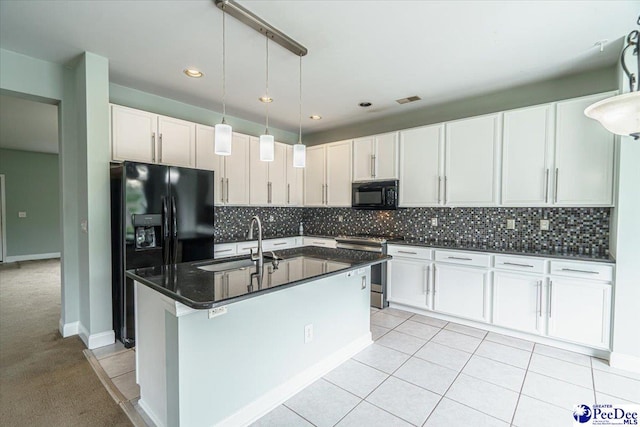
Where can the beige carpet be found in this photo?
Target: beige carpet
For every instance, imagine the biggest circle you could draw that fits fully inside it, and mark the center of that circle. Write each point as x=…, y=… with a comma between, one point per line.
x=45, y=380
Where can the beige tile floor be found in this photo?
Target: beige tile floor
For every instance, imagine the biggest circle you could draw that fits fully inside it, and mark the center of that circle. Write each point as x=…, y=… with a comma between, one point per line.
x=423, y=371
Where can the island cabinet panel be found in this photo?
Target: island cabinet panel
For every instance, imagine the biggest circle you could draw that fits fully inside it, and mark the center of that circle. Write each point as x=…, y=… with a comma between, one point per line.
x=518, y=301
x=527, y=154
x=579, y=311
x=584, y=156
x=461, y=291
x=421, y=166
x=470, y=161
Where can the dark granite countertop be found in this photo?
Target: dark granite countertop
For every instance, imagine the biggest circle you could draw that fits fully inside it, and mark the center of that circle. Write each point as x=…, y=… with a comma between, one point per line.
x=523, y=250
x=197, y=288
x=237, y=239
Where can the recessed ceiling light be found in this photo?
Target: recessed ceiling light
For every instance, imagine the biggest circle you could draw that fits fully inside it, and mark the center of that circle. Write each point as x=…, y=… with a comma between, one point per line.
x=315, y=117
x=365, y=104
x=265, y=99
x=192, y=72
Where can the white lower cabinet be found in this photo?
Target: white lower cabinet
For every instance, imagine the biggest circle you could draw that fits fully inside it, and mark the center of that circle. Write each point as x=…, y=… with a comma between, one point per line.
x=411, y=282
x=579, y=311
x=518, y=301
x=319, y=241
x=461, y=291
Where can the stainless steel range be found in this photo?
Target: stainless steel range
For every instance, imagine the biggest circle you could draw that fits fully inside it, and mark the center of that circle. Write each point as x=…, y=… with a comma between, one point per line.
x=378, y=271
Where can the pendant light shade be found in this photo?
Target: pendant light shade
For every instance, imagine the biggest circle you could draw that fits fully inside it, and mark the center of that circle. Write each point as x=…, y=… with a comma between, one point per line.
x=299, y=155
x=223, y=136
x=267, y=148
x=223, y=132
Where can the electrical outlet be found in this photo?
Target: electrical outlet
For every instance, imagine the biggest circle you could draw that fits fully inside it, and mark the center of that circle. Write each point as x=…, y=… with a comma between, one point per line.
x=217, y=311
x=434, y=222
x=544, y=225
x=308, y=333
x=22, y=214
x=511, y=224
x=271, y=219
x=84, y=225
x=340, y=218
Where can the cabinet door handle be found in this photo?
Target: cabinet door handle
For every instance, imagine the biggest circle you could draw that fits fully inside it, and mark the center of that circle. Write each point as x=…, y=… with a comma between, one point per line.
x=517, y=265
x=153, y=147
x=222, y=250
x=546, y=186
x=160, y=148
x=319, y=243
x=460, y=258
x=579, y=271
x=408, y=252
x=279, y=243
x=222, y=190
x=539, y=299
x=550, y=296
x=326, y=191
x=445, y=189
x=288, y=193
x=556, y=187
x=270, y=188
x=439, y=185
x=227, y=180
x=372, y=166
x=425, y=290
x=434, y=283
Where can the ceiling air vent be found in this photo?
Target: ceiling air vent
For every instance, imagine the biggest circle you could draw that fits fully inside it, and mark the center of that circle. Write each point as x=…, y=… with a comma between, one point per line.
x=408, y=99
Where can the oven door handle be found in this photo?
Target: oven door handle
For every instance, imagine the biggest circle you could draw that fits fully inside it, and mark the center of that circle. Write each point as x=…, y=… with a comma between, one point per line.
x=366, y=248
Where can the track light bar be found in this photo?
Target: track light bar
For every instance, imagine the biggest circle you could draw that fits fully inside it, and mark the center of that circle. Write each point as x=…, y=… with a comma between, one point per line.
x=247, y=17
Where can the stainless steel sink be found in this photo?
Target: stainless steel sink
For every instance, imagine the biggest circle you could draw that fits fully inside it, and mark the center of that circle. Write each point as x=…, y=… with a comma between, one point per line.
x=230, y=265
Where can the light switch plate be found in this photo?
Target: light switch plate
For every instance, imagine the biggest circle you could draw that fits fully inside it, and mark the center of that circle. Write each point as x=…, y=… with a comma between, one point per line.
x=434, y=222
x=340, y=218
x=22, y=214
x=217, y=311
x=511, y=224
x=544, y=225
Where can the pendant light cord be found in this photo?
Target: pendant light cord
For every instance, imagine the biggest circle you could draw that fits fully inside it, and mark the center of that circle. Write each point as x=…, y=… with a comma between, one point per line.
x=300, y=105
x=224, y=66
x=266, y=104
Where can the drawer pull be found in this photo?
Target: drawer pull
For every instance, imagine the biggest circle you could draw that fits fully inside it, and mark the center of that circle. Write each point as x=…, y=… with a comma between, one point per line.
x=580, y=271
x=280, y=244
x=319, y=243
x=249, y=248
x=460, y=258
x=408, y=252
x=223, y=250
x=517, y=265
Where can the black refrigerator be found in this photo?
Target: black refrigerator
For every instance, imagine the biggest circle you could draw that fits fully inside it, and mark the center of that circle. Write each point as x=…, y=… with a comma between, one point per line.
x=160, y=216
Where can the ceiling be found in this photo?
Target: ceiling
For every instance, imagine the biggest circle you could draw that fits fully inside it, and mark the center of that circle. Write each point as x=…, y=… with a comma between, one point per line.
x=28, y=125
x=376, y=51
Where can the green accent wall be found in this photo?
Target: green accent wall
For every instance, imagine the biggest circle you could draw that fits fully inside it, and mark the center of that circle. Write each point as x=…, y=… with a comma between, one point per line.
x=32, y=186
x=572, y=86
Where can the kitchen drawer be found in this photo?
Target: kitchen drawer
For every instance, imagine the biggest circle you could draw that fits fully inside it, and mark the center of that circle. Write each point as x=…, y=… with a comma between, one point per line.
x=275, y=244
x=406, y=251
x=244, y=247
x=464, y=258
x=224, y=250
x=582, y=270
x=518, y=263
x=319, y=241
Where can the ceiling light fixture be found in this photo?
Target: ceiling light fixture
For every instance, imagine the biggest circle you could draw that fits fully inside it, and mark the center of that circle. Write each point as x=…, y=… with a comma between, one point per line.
x=299, y=149
x=223, y=132
x=192, y=72
x=620, y=114
x=267, y=145
x=315, y=117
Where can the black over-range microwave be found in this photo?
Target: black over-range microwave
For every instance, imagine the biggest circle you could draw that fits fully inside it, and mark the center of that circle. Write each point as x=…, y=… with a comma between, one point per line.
x=375, y=195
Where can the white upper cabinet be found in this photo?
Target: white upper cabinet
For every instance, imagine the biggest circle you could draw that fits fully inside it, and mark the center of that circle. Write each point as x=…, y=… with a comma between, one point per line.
x=295, y=180
x=327, y=175
x=176, y=142
x=206, y=157
x=421, y=164
x=141, y=136
x=584, y=156
x=133, y=134
x=470, y=161
x=314, y=176
x=267, y=179
x=375, y=157
x=338, y=190
x=527, y=152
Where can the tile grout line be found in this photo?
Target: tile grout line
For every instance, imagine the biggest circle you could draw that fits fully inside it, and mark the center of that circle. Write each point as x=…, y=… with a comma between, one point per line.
x=292, y=410
x=515, y=409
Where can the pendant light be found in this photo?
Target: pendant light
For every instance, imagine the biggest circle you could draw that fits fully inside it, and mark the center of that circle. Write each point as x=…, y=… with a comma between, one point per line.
x=299, y=149
x=223, y=131
x=267, y=145
x=621, y=114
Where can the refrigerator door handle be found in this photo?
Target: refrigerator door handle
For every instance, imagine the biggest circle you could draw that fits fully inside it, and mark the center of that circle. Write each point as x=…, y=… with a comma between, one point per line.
x=165, y=232
x=174, y=219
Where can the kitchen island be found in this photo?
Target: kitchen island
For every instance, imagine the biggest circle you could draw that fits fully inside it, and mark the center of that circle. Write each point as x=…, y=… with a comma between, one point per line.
x=220, y=343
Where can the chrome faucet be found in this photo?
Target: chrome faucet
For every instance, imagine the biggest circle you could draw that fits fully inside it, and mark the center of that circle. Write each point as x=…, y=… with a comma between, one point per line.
x=259, y=256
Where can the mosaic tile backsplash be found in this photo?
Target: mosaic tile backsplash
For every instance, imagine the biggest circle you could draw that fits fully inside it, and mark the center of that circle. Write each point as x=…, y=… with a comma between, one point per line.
x=571, y=229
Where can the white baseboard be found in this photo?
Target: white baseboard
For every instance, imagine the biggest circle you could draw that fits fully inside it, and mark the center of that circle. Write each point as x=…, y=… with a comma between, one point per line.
x=96, y=340
x=156, y=420
x=32, y=257
x=624, y=361
x=277, y=396
x=68, y=329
